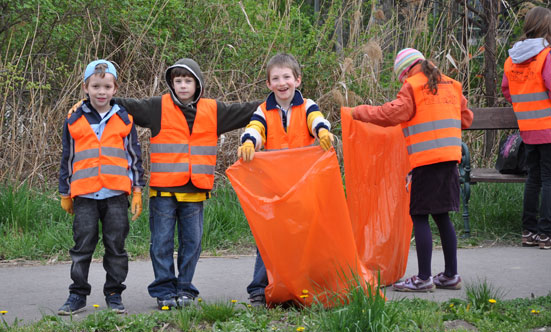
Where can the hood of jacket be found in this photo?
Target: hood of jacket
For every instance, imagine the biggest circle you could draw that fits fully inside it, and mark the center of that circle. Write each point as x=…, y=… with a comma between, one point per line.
x=193, y=67
x=526, y=49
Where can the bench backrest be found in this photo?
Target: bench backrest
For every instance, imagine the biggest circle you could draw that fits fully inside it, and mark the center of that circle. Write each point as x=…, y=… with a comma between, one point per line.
x=493, y=118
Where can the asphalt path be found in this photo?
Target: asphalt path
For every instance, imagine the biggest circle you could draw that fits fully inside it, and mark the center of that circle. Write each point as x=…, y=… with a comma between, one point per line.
x=27, y=292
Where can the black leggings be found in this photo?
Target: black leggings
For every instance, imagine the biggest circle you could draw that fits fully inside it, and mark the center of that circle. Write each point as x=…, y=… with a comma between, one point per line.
x=423, y=243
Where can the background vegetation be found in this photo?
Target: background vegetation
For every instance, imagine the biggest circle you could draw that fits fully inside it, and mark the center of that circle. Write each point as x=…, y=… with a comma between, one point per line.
x=346, y=48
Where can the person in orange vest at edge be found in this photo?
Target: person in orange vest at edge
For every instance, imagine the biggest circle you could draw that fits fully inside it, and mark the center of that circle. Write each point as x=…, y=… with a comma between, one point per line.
x=285, y=120
x=185, y=128
x=100, y=164
x=526, y=83
x=432, y=111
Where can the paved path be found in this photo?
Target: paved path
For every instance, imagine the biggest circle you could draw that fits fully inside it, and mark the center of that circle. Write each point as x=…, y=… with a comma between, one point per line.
x=27, y=292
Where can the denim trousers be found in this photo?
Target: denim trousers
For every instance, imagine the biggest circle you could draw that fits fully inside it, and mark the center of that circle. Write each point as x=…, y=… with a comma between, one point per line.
x=538, y=161
x=113, y=214
x=260, y=277
x=165, y=213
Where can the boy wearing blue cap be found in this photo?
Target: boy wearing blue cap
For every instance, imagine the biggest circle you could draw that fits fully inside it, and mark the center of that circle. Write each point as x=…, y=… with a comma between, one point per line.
x=100, y=165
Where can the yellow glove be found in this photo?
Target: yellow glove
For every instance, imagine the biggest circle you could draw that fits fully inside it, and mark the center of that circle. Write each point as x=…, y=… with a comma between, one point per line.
x=136, y=205
x=246, y=151
x=67, y=204
x=326, y=139
x=75, y=106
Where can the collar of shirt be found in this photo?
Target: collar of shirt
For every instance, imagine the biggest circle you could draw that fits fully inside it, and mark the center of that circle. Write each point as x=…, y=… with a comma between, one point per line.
x=271, y=103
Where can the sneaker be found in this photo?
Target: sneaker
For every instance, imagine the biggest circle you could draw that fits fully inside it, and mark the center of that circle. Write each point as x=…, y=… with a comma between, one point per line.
x=529, y=239
x=114, y=302
x=183, y=301
x=414, y=284
x=258, y=300
x=74, y=304
x=168, y=303
x=444, y=282
x=545, y=242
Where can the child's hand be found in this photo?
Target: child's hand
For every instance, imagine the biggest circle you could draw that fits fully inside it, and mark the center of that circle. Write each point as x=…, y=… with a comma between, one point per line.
x=326, y=139
x=75, y=106
x=67, y=204
x=136, y=205
x=246, y=151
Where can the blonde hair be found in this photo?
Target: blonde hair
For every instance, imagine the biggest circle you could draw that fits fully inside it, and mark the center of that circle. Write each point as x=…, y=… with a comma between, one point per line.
x=283, y=60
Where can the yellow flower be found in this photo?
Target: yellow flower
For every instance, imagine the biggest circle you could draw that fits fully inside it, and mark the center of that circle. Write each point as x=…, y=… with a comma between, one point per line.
x=492, y=301
x=199, y=299
x=304, y=291
x=303, y=296
x=96, y=305
x=233, y=301
x=165, y=307
x=300, y=328
x=249, y=306
x=468, y=307
x=451, y=305
x=3, y=312
x=535, y=312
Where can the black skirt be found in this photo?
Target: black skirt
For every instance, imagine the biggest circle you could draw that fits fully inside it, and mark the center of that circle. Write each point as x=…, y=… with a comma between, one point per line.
x=434, y=189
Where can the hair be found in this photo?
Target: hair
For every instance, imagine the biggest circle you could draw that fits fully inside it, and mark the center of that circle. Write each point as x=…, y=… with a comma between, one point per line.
x=180, y=72
x=433, y=74
x=283, y=60
x=100, y=70
x=537, y=24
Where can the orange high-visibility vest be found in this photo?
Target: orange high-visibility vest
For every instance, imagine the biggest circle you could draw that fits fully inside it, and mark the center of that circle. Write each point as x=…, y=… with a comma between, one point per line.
x=433, y=135
x=100, y=163
x=177, y=156
x=297, y=134
x=529, y=95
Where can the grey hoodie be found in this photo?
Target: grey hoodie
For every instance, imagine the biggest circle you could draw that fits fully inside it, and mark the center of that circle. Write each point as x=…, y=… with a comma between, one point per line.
x=193, y=67
x=527, y=49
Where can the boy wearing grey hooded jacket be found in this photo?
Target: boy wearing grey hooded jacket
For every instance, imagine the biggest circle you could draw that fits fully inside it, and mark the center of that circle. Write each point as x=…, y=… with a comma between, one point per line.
x=184, y=131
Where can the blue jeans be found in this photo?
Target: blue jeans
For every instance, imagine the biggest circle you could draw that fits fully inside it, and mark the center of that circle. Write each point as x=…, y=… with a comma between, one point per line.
x=113, y=213
x=165, y=213
x=260, y=278
x=538, y=161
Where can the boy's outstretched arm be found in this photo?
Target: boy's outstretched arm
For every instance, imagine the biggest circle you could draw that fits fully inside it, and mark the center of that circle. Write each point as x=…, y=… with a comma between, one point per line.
x=146, y=112
x=234, y=116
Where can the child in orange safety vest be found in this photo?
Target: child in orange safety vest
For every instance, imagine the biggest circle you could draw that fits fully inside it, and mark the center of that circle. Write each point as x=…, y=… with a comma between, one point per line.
x=432, y=111
x=285, y=120
x=526, y=83
x=100, y=166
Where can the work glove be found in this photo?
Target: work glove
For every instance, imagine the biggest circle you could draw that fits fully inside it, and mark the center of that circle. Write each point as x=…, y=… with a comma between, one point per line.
x=75, y=106
x=246, y=150
x=67, y=204
x=326, y=139
x=136, y=205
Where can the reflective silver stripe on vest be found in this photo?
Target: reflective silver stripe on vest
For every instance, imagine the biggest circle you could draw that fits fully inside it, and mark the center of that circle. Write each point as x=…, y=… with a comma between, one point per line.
x=531, y=115
x=202, y=169
x=86, y=154
x=434, y=144
x=85, y=173
x=168, y=148
x=203, y=150
x=114, y=170
x=432, y=125
x=527, y=97
x=113, y=152
x=169, y=167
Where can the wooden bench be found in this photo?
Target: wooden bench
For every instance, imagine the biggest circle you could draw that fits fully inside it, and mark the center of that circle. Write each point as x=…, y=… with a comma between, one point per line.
x=492, y=118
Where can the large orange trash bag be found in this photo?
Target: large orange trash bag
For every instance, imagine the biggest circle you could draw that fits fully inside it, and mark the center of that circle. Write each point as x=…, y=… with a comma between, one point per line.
x=375, y=167
x=295, y=204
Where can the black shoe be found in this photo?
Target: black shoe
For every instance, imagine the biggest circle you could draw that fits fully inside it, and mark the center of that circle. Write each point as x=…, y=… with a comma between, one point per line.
x=184, y=301
x=114, y=302
x=74, y=304
x=258, y=300
x=166, y=304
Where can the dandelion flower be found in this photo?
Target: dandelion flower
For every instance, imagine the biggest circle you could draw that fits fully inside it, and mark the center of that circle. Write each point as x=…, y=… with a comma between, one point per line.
x=304, y=291
x=451, y=305
x=300, y=328
x=492, y=301
x=96, y=305
x=304, y=296
x=535, y=312
x=3, y=312
x=165, y=307
x=233, y=301
x=199, y=299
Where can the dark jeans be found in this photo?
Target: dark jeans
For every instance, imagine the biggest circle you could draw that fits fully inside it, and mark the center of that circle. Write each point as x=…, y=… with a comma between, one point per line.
x=113, y=213
x=538, y=161
x=260, y=278
x=165, y=213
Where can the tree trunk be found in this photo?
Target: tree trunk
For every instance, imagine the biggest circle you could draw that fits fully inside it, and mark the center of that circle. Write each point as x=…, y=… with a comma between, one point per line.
x=491, y=10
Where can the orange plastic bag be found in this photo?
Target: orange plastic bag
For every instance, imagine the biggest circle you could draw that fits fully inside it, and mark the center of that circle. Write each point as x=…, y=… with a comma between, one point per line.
x=376, y=165
x=295, y=204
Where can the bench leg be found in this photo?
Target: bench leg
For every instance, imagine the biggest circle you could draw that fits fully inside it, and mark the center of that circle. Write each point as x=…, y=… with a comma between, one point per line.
x=465, y=195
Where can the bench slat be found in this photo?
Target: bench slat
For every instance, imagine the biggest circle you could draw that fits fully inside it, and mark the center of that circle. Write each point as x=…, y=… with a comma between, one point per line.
x=493, y=118
x=492, y=175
